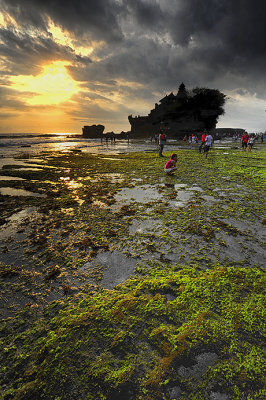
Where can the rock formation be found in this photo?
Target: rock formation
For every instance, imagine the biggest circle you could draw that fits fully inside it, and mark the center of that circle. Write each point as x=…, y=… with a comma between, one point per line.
x=93, y=131
x=180, y=114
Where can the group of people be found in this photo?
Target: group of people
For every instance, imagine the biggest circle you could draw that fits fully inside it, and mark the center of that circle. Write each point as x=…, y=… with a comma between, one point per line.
x=247, y=141
x=206, y=142
x=191, y=138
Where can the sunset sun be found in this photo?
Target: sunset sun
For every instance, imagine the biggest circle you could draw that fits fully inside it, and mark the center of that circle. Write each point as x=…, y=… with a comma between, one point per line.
x=52, y=86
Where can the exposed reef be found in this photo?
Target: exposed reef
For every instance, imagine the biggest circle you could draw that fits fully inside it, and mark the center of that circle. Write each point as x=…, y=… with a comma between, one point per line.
x=120, y=282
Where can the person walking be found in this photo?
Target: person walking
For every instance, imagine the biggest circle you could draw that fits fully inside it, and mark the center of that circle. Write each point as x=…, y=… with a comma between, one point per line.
x=208, y=143
x=202, y=144
x=161, y=141
x=193, y=139
x=251, y=142
x=244, y=141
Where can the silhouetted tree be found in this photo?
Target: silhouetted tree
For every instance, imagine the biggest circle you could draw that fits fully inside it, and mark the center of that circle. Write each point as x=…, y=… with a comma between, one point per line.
x=207, y=105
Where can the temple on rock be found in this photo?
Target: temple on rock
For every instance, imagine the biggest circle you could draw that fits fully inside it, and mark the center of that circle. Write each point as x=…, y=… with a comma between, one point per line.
x=181, y=114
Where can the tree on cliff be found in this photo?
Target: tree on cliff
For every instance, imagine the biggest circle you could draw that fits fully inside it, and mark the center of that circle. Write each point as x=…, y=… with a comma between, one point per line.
x=208, y=105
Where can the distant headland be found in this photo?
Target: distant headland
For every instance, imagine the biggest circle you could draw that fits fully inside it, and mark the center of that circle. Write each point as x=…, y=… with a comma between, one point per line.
x=177, y=115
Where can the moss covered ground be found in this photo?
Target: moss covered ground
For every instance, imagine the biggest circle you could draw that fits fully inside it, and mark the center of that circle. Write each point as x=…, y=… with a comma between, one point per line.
x=185, y=321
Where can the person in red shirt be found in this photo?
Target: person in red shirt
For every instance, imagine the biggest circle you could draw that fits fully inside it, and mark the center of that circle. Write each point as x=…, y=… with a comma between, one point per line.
x=244, y=141
x=170, y=167
x=162, y=141
x=203, y=138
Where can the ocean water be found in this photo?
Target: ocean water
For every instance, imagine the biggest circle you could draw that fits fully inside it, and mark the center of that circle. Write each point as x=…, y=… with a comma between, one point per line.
x=14, y=144
x=33, y=144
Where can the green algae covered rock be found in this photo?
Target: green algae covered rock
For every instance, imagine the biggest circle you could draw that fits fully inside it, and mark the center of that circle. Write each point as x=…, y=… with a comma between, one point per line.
x=175, y=333
x=189, y=324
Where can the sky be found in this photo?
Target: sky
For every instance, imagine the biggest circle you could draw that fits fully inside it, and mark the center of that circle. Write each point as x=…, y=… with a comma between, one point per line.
x=70, y=63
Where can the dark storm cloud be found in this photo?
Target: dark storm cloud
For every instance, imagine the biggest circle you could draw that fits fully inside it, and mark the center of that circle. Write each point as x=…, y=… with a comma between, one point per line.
x=98, y=18
x=217, y=34
x=24, y=53
x=156, y=43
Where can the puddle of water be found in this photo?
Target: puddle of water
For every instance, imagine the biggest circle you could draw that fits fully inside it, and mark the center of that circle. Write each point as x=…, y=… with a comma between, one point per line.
x=196, y=188
x=182, y=199
x=117, y=267
x=11, y=178
x=144, y=226
x=14, y=221
x=10, y=161
x=109, y=158
x=149, y=193
x=71, y=183
x=180, y=186
x=208, y=198
x=140, y=194
x=25, y=169
x=222, y=192
x=8, y=191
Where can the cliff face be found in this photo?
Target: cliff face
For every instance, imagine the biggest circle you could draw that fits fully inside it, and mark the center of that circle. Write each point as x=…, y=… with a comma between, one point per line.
x=180, y=114
x=93, y=131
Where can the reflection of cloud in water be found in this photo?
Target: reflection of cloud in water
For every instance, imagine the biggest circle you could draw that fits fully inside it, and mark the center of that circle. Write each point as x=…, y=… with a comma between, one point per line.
x=72, y=184
x=144, y=226
x=183, y=195
x=147, y=193
x=11, y=178
x=111, y=158
x=10, y=228
x=8, y=191
x=117, y=267
x=27, y=169
x=140, y=194
x=208, y=198
x=179, y=186
x=9, y=162
x=196, y=189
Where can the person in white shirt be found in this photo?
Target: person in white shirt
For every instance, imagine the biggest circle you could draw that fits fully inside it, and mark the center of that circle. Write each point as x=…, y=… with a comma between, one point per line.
x=208, y=143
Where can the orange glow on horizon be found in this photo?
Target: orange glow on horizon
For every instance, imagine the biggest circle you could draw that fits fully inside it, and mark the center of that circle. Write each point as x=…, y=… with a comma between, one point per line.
x=52, y=86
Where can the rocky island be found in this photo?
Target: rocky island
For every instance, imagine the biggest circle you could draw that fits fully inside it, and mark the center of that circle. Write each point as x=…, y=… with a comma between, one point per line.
x=180, y=114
